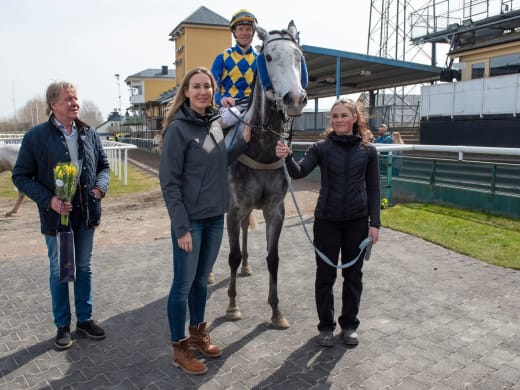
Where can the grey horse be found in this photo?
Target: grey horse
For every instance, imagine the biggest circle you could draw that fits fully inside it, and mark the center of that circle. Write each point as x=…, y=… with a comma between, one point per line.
x=8, y=154
x=256, y=178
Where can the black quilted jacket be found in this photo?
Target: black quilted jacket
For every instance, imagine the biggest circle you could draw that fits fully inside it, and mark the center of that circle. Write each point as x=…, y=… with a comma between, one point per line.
x=350, y=186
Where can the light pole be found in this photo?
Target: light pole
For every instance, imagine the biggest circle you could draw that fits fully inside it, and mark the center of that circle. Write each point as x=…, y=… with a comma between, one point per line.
x=119, y=91
x=119, y=96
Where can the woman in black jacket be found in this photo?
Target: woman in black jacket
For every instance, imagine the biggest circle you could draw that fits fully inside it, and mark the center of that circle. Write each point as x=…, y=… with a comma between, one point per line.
x=347, y=211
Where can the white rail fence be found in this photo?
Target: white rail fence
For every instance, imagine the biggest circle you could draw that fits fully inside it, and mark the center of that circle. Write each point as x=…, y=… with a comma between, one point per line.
x=117, y=154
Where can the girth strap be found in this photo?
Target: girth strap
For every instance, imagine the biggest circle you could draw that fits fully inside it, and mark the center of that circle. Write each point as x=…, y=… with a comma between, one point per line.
x=249, y=162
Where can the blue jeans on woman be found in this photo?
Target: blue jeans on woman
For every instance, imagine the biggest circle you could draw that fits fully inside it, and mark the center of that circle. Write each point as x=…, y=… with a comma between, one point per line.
x=190, y=274
x=83, y=243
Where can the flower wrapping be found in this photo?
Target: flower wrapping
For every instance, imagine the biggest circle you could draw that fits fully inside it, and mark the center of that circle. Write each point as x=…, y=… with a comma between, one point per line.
x=66, y=253
x=66, y=181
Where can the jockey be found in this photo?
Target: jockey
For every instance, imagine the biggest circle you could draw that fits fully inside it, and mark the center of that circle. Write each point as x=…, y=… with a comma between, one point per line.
x=234, y=69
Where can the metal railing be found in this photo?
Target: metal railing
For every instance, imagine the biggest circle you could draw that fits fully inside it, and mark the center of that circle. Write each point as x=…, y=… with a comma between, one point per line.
x=117, y=153
x=478, y=178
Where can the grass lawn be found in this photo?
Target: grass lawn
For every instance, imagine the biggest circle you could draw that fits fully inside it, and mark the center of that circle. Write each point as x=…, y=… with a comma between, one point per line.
x=487, y=237
x=138, y=181
x=490, y=238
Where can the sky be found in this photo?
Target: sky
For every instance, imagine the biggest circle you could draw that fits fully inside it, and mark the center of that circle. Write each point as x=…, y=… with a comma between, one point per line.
x=88, y=42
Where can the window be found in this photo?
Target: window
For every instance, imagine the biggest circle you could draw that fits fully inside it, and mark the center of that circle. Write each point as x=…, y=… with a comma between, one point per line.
x=509, y=64
x=477, y=70
x=137, y=90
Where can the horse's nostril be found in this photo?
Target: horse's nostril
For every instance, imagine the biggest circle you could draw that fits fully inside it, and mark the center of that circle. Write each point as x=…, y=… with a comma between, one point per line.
x=288, y=99
x=303, y=99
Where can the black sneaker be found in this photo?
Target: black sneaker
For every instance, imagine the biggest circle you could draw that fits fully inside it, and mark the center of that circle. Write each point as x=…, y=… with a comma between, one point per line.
x=350, y=337
x=63, y=339
x=326, y=338
x=90, y=329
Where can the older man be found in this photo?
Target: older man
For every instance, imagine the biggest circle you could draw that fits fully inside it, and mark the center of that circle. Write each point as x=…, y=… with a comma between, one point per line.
x=64, y=138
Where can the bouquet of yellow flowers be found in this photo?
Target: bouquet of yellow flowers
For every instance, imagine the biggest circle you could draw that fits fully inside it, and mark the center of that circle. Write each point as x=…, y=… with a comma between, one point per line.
x=66, y=180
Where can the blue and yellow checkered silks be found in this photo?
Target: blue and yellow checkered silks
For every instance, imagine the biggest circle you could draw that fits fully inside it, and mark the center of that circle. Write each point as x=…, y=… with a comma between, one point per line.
x=234, y=72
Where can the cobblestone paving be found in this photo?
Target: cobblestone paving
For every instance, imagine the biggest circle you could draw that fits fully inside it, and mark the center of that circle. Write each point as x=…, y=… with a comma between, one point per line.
x=430, y=319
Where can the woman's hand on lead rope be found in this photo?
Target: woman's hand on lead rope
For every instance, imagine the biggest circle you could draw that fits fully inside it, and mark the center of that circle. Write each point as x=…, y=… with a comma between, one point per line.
x=281, y=150
x=373, y=233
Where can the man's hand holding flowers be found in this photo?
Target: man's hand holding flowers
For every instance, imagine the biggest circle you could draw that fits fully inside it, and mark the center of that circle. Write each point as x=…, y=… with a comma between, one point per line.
x=66, y=182
x=60, y=206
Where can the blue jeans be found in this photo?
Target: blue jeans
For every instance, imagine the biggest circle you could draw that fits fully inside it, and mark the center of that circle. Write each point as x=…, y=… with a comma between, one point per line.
x=83, y=243
x=190, y=274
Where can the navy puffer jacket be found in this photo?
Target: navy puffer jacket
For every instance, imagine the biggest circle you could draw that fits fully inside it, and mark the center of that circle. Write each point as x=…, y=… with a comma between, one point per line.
x=42, y=148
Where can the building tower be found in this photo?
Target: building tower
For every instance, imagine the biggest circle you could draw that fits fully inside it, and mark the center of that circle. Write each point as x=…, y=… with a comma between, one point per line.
x=419, y=31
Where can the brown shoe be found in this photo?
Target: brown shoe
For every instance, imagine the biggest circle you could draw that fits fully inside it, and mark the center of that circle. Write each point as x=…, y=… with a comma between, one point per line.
x=184, y=359
x=199, y=339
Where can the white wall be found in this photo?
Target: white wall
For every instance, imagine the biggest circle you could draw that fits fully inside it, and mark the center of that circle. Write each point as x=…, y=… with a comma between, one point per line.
x=487, y=96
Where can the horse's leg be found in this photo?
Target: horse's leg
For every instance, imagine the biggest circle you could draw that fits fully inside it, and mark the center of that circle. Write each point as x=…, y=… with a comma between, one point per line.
x=274, y=222
x=233, y=227
x=21, y=195
x=246, y=268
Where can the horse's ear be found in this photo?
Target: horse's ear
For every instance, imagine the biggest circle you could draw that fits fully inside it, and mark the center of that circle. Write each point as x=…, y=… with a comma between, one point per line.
x=292, y=29
x=261, y=32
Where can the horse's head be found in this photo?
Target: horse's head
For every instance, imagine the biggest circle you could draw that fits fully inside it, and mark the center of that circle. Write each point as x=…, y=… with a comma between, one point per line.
x=282, y=70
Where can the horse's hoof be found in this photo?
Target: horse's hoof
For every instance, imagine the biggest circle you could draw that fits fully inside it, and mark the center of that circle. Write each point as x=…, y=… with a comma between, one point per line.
x=211, y=278
x=279, y=322
x=246, y=270
x=233, y=314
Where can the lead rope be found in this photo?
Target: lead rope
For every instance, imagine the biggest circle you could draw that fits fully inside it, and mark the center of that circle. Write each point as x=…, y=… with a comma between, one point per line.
x=365, y=244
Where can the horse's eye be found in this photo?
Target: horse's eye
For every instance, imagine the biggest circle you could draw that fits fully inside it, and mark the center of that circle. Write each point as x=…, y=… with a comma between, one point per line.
x=268, y=57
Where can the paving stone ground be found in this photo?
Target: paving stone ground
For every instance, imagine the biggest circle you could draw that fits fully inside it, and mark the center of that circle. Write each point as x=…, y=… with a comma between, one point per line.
x=430, y=319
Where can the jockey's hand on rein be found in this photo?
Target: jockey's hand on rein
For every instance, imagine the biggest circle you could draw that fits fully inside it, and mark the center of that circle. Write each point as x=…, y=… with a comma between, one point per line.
x=227, y=101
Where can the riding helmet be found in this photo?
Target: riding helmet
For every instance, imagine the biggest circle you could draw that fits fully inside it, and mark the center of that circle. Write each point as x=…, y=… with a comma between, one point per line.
x=242, y=16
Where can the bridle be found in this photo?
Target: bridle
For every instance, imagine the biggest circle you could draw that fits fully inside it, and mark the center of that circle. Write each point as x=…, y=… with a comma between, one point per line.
x=276, y=106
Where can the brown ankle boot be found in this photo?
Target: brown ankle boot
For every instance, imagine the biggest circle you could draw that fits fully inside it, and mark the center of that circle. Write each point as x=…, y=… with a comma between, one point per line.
x=199, y=339
x=184, y=359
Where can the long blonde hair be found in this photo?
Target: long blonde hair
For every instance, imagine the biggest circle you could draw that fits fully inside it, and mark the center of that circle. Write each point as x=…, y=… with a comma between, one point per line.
x=180, y=97
x=397, y=139
x=360, y=127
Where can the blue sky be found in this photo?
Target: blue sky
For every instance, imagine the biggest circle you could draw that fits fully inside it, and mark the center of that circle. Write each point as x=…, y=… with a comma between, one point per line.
x=88, y=42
